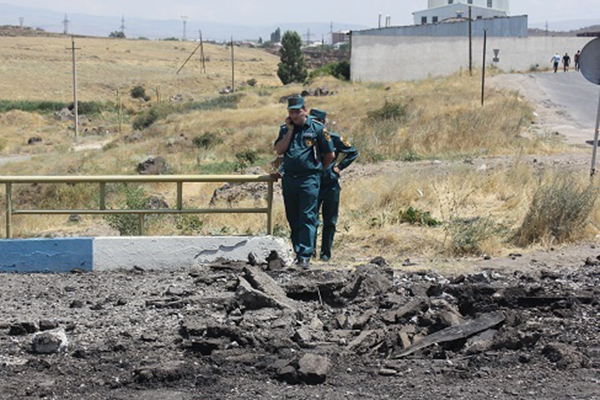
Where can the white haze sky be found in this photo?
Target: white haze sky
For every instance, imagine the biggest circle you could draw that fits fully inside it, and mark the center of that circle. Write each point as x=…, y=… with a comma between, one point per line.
x=247, y=12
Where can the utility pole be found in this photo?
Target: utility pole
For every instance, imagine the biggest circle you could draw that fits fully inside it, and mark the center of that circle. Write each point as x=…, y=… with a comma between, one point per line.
x=66, y=25
x=184, y=18
x=546, y=28
x=75, y=104
x=470, y=41
x=202, y=53
x=232, y=67
x=322, y=49
x=21, y=21
x=379, y=24
x=483, y=73
x=331, y=31
x=308, y=36
x=123, y=25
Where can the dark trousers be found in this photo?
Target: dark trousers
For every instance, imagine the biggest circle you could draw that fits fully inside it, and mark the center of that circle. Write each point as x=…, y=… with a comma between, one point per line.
x=300, y=196
x=329, y=203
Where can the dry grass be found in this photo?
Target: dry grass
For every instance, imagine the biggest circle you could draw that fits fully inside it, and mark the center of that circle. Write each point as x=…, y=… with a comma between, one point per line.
x=443, y=120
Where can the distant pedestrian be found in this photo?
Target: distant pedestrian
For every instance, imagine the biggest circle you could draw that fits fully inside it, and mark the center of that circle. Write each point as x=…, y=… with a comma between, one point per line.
x=576, y=59
x=556, y=61
x=566, y=62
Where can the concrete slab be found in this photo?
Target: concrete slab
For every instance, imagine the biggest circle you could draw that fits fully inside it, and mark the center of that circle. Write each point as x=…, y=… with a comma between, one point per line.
x=46, y=255
x=111, y=253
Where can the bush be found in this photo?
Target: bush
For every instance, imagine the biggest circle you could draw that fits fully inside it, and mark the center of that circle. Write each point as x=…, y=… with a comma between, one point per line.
x=468, y=235
x=339, y=70
x=252, y=82
x=246, y=158
x=117, y=34
x=135, y=199
x=415, y=216
x=138, y=92
x=206, y=140
x=3, y=143
x=145, y=119
x=558, y=210
x=388, y=112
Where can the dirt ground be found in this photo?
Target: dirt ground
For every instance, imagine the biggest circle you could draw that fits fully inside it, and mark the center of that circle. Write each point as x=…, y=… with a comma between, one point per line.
x=522, y=327
x=229, y=331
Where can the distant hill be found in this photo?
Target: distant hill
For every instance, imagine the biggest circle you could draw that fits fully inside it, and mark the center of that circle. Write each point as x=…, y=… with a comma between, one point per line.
x=564, y=26
x=82, y=24
x=587, y=30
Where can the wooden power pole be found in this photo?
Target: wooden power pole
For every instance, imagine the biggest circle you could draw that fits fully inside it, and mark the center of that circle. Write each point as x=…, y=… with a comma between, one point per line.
x=470, y=41
x=232, y=67
x=75, y=104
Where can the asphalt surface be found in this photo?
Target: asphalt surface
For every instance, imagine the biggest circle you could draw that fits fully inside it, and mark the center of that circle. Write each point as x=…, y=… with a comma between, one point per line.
x=572, y=91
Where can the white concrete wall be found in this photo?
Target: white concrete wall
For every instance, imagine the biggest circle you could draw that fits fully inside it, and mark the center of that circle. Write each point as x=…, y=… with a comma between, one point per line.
x=402, y=58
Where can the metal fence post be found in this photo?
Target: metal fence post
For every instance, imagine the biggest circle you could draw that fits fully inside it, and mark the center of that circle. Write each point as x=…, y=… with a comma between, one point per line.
x=270, y=209
x=9, y=210
x=141, y=226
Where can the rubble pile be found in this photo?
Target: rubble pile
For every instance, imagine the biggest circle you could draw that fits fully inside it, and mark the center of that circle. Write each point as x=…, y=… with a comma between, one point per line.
x=228, y=324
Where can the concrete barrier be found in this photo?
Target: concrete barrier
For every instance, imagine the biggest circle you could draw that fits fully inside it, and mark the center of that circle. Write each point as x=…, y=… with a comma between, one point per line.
x=151, y=253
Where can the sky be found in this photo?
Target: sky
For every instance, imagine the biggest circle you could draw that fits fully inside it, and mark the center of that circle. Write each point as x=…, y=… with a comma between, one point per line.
x=260, y=12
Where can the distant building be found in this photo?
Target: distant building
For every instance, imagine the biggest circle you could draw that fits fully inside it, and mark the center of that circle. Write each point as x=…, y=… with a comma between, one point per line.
x=340, y=37
x=440, y=10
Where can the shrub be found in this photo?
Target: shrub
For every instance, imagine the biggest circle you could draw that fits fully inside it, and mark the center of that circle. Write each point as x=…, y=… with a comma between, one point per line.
x=138, y=92
x=117, y=34
x=3, y=143
x=206, y=140
x=252, y=82
x=469, y=234
x=415, y=216
x=145, y=119
x=339, y=70
x=135, y=199
x=558, y=210
x=246, y=158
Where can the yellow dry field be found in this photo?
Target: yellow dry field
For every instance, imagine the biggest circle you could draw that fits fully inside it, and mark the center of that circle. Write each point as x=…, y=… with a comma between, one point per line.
x=41, y=68
x=415, y=191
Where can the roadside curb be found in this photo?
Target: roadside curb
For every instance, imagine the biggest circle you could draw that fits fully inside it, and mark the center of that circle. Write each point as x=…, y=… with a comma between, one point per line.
x=151, y=253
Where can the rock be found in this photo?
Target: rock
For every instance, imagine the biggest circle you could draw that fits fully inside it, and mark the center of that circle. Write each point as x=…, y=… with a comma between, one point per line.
x=264, y=283
x=156, y=203
x=565, y=356
x=153, y=166
x=76, y=304
x=387, y=372
x=46, y=325
x=481, y=342
x=303, y=336
x=64, y=115
x=34, y=140
x=313, y=369
x=167, y=372
x=47, y=342
x=23, y=328
x=74, y=218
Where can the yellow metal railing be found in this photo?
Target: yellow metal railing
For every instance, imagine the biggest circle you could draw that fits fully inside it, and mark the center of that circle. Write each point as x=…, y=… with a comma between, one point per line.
x=10, y=181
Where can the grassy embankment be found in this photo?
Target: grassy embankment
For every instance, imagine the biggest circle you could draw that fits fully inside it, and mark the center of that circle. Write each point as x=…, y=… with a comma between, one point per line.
x=411, y=207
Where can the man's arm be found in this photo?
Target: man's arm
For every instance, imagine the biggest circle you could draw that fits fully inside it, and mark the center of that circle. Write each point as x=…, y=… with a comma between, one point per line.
x=328, y=159
x=283, y=141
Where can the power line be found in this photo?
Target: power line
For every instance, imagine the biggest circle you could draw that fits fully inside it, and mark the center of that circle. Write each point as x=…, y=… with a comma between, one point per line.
x=123, y=24
x=66, y=25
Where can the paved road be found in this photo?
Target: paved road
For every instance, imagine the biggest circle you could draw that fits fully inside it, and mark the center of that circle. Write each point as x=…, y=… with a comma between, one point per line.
x=573, y=92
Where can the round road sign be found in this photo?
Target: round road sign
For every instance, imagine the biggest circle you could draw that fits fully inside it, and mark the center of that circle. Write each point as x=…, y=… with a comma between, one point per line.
x=589, y=63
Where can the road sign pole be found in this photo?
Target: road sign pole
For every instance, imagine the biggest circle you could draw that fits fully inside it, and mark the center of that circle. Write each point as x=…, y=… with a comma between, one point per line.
x=593, y=170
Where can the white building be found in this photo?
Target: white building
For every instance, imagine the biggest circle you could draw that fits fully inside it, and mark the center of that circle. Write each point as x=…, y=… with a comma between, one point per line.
x=439, y=10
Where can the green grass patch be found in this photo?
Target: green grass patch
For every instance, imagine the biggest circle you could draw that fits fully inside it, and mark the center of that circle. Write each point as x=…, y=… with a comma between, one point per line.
x=46, y=107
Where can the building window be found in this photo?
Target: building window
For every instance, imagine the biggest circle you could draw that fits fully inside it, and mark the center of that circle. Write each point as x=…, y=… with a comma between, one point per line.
x=480, y=17
x=470, y=2
x=434, y=19
x=450, y=1
x=490, y=4
x=423, y=20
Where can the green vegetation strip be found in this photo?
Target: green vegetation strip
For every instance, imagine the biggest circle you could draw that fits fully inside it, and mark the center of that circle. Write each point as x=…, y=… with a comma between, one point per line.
x=45, y=107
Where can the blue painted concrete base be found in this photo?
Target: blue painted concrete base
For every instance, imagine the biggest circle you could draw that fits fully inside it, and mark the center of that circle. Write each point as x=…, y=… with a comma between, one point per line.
x=46, y=255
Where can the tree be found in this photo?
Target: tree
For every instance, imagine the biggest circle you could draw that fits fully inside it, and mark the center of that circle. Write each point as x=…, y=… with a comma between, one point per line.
x=292, y=67
x=117, y=34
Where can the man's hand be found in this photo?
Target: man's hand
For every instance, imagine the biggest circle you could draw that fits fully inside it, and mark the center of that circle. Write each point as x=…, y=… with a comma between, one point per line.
x=336, y=170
